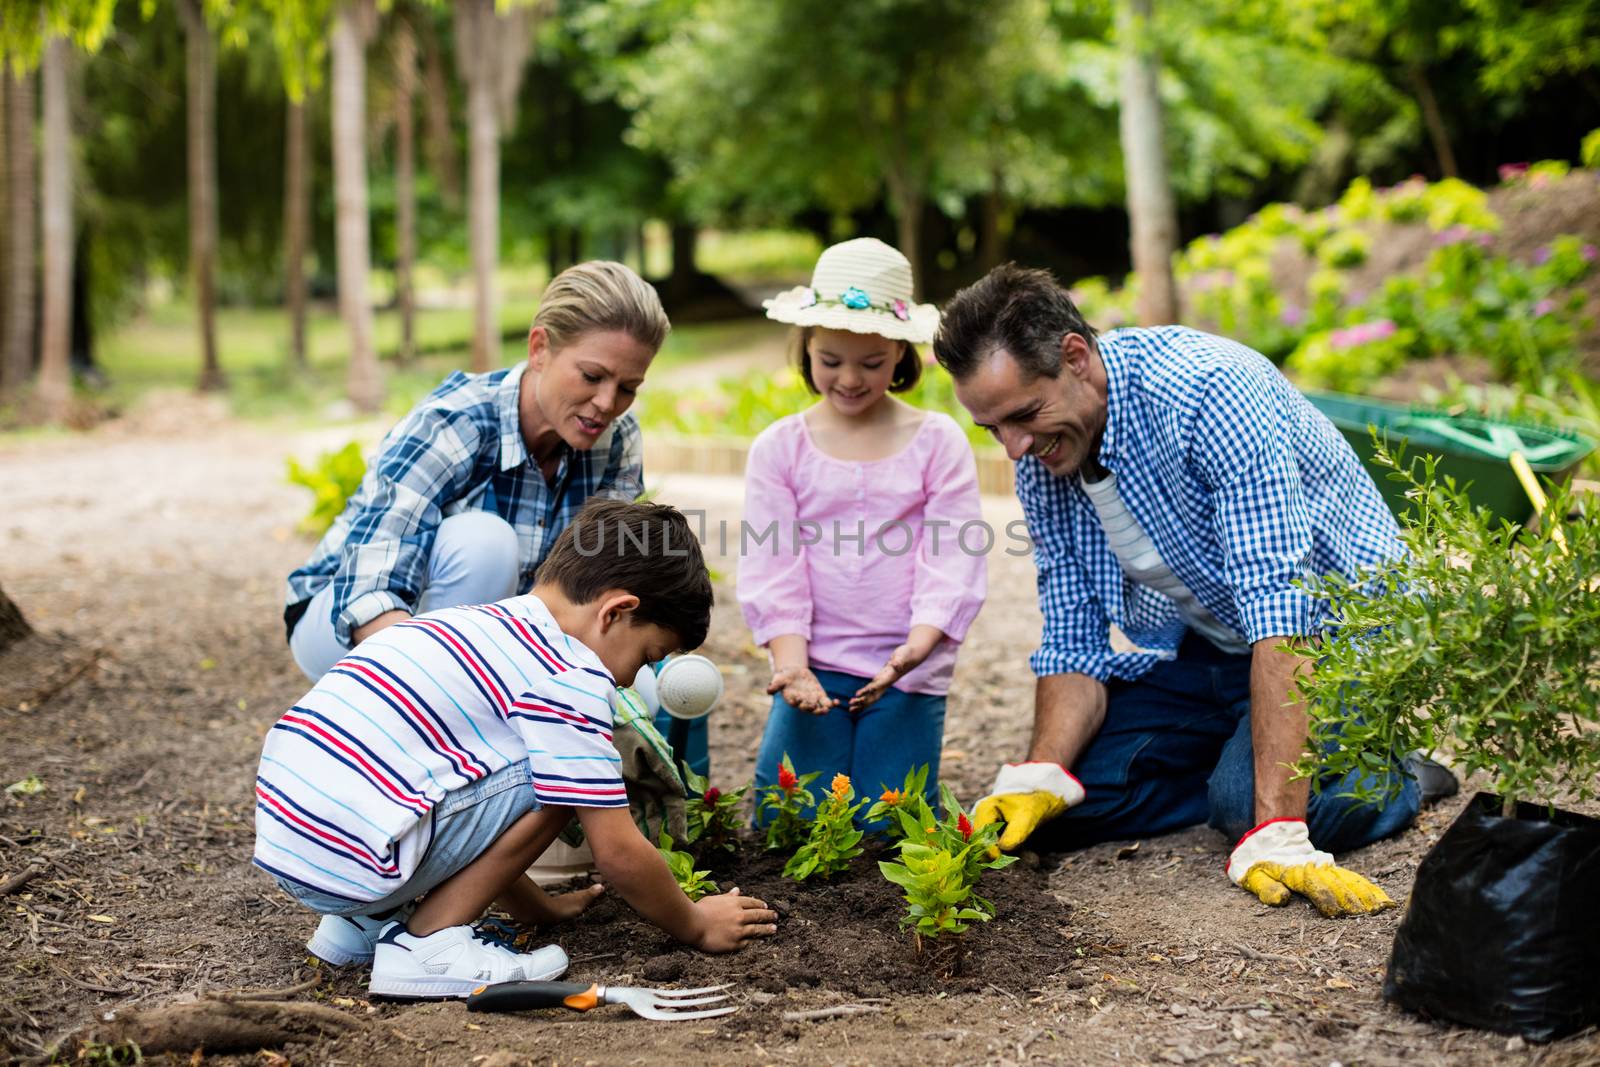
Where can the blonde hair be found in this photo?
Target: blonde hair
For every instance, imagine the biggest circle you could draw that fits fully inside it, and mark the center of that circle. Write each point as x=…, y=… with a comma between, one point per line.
x=601, y=295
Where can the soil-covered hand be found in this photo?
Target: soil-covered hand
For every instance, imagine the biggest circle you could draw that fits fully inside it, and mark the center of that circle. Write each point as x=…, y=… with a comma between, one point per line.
x=1276, y=860
x=801, y=689
x=902, y=661
x=728, y=920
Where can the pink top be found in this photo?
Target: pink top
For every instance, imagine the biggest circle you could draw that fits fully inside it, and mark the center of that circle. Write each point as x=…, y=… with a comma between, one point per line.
x=851, y=555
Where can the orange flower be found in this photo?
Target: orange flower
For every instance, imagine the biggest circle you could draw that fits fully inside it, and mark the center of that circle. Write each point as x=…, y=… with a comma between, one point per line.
x=787, y=779
x=841, y=787
x=890, y=796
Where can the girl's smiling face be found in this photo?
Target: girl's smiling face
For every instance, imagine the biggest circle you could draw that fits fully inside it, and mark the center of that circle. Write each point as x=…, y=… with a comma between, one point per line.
x=852, y=371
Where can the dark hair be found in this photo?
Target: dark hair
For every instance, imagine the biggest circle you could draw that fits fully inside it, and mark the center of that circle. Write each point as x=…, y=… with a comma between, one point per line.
x=907, y=372
x=647, y=549
x=1026, y=312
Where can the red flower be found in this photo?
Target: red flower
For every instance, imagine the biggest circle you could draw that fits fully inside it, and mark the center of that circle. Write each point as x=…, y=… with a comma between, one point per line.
x=964, y=825
x=787, y=779
x=711, y=794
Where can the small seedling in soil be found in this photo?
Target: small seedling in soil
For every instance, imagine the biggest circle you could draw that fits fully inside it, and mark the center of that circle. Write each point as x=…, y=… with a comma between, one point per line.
x=834, y=839
x=695, y=884
x=894, y=801
x=713, y=815
x=786, y=802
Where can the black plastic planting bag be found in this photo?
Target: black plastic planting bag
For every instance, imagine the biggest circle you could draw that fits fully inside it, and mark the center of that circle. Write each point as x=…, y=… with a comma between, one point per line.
x=1503, y=928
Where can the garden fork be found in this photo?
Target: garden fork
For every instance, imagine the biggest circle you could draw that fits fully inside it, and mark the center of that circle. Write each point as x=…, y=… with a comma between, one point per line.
x=659, y=1004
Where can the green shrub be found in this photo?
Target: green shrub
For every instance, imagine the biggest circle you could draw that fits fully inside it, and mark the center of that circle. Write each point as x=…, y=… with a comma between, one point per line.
x=332, y=479
x=1345, y=249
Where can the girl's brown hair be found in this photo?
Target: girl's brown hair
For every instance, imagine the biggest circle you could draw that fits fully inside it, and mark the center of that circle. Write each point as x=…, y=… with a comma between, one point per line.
x=907, y=371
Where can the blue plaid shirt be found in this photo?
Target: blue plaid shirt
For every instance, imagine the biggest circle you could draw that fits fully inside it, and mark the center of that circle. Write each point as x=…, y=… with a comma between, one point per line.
x=1240, y=483
x=461, y=449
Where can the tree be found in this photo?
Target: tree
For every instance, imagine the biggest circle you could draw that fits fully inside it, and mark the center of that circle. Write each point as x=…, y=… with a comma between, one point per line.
x=405, y=189
x=22, y=227
x=351, y=27
x=54, y=391
x=201, y=93
x=1152, y=211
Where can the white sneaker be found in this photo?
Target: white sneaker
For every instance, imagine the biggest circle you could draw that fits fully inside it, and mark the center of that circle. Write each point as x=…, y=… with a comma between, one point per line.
x=452, y=963
x=345, y=939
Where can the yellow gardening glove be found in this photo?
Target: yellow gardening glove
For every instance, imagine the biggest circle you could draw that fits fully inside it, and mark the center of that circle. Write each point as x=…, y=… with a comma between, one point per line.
x=1276, y=859
x=1025, y=795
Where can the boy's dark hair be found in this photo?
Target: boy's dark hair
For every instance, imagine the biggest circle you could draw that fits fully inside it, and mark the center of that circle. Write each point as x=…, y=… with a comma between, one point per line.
x=647, y=549
x=907, y=370
x=1024, y=311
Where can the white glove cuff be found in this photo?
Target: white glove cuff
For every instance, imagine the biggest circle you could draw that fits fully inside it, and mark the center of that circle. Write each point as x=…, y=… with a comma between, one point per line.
x=1039, y=776
x=1282, y=841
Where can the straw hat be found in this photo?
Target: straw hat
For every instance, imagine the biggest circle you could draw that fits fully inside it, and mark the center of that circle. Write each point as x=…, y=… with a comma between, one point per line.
x=863, y=286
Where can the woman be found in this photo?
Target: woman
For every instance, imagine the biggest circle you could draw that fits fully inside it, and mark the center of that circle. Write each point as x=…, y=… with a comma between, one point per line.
x=467, y=494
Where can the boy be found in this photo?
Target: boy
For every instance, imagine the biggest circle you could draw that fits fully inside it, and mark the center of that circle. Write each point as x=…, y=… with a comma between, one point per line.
x=443, y=755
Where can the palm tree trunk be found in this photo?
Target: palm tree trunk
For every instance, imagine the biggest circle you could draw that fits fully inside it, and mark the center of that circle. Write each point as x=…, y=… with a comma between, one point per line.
x=1434, y=120
x=22, y=229
x=201, y=74
x=476, y=26
x=55, y=195
x=1152, y=210
x=440, y=144
x=296, y=224
x=353, y=230
x=405, y=186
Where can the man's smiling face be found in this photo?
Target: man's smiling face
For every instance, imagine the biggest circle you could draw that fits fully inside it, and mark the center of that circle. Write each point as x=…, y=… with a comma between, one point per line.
x=1058, y=419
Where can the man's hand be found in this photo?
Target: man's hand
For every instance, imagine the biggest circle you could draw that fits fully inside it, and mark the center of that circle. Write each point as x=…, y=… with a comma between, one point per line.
x=728, y=920
x=1025, y=795
x=801, y=689
x=1276, y=859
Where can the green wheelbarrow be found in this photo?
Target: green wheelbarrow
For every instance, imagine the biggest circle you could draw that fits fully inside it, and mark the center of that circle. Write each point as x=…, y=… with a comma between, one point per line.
x=1471, y=448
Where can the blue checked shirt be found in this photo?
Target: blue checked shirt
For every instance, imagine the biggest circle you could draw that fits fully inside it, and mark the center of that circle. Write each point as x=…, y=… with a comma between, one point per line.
x=1240, y=483
x=461, y=449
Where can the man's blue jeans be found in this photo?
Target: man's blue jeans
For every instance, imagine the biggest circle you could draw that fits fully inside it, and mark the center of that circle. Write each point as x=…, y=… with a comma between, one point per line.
x=1175, y=751
x=897, y=733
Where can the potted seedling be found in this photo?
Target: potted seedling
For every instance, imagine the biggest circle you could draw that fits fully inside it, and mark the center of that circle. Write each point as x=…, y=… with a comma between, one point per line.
x=713, y=816
x=695, y=884
x=941, y=861
x=1483, y=640
x=834, y=840
x=785, y=803
x=893, y=801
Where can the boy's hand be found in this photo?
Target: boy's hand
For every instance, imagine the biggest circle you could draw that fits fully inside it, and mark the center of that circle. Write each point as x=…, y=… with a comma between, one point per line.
x=801, y=689
x=728, y=920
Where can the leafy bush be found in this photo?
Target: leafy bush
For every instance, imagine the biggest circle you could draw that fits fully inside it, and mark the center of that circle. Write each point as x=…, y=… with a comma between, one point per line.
x=1345, y=249
x=834, y=840
x=713, y=816
x=332, y=479
x=941, y=861
x=695, y=884
x=786, y=801
x=1590, y=150
x=1482, y=638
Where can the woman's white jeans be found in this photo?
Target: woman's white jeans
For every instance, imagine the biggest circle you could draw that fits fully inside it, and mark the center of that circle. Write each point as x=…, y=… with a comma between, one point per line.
x=475, y=561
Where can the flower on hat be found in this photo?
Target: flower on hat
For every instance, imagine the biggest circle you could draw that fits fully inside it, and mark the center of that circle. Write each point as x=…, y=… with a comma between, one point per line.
x=855, y=298
x=901, y=311
x=808, y=298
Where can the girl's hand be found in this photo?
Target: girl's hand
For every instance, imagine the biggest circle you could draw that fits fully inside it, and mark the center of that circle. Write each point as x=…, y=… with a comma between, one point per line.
x=902, y=661
x=801, y=689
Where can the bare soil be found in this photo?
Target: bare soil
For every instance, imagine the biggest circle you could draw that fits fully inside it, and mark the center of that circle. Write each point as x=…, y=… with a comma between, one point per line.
x=150, y=554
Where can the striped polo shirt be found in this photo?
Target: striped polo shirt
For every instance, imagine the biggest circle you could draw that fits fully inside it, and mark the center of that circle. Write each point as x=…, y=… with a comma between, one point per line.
x=349, y=776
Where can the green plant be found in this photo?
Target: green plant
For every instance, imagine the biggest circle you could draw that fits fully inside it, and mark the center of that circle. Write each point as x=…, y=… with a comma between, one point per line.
x=939, y=867
x=713, y=815
x=695, y=884
x=952, y=830
x=1482, y=638
x=785, y=803
x=893, y=801
x=1345, y=249
x=834, y=840
x=332, y=479
x=1589, y=152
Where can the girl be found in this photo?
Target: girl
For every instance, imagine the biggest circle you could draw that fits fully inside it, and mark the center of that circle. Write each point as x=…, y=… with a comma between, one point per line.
x=855, y=572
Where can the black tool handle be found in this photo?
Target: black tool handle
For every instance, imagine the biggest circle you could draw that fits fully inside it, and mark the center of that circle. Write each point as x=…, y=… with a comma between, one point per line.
x=525, y=996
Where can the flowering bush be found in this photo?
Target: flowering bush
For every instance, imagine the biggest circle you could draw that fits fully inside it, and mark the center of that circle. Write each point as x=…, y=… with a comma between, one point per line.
x=785, y=803
x=834, y=840
x=695, y=884
x=904, y=799
x=941, y=861
x=713, y=815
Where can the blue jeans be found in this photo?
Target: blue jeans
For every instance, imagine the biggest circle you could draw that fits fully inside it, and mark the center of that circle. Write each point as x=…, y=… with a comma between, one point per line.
x=1175, y=751
x=475, y=561
x=875, y=747
x=465, y=823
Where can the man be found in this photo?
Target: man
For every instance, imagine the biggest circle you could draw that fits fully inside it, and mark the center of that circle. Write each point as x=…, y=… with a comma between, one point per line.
x=1176, y=486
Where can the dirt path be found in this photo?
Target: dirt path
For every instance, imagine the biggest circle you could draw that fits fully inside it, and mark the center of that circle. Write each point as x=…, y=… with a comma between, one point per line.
x=166, y=550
